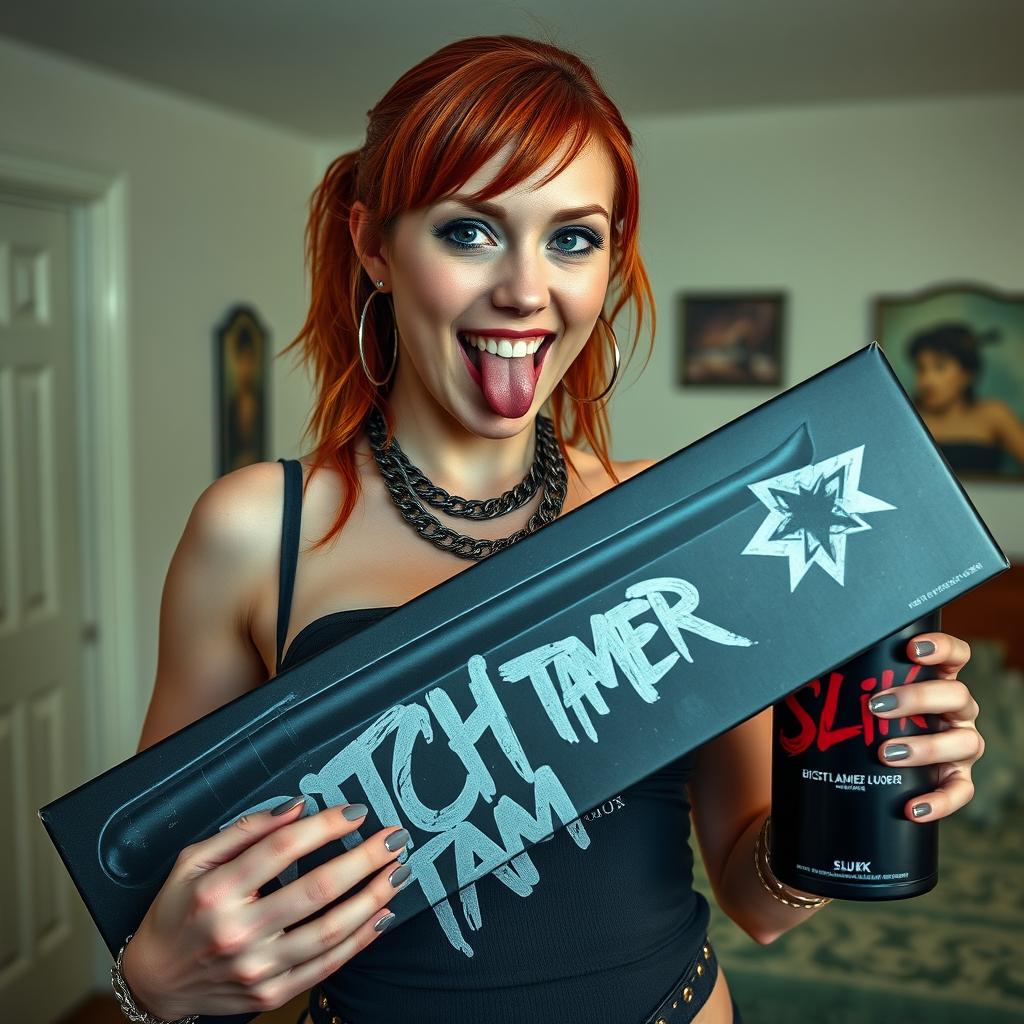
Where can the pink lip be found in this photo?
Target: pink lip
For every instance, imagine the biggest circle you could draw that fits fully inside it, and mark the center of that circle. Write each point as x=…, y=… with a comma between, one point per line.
x=504, y=332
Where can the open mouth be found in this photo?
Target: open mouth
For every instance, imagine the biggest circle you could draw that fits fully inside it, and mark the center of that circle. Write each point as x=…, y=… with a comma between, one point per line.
x=473, y=353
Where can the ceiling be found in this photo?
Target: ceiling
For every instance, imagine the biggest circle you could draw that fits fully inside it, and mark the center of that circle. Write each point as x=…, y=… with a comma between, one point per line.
x=315, y=67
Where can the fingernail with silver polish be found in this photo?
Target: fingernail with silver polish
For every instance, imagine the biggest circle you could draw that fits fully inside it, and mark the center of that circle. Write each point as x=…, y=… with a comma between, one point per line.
x=384, y=922
x=923, y=647
x=288, y=805
x=883, y=702
x=397, y=840
x=354, y=811
x=920, y=810
x=399, y=875
x=896, y=752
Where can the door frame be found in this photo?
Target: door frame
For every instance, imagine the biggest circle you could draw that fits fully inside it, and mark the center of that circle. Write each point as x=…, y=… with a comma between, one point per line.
x=97, y=202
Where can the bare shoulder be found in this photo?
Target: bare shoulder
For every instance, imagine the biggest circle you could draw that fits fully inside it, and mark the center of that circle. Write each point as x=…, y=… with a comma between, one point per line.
x=595, y=479
x=238, y=510
x=625, y=470
x=227, y=551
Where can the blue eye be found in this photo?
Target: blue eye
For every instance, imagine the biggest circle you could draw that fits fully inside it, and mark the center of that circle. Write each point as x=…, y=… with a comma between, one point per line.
x=597, y=242
x=448, y=231
x=447, y=234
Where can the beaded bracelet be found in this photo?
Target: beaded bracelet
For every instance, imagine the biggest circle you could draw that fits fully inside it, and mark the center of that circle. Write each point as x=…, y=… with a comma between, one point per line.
x=776, y=888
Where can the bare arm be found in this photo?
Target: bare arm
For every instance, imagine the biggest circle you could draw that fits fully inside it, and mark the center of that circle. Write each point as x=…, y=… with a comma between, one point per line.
x=206, y=655
x=730, y=794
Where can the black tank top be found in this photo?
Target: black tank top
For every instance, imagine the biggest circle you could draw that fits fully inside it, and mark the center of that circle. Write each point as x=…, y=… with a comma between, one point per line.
x=597, y=934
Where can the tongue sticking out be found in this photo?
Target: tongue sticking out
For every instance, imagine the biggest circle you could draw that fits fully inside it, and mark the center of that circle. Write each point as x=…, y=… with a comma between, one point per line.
x=508, y=383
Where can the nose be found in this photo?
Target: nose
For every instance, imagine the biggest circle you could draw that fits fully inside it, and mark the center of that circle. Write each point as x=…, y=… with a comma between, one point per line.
x=523, y=287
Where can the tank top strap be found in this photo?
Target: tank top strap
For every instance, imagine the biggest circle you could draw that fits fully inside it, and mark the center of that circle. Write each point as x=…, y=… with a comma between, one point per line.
x=290, y=524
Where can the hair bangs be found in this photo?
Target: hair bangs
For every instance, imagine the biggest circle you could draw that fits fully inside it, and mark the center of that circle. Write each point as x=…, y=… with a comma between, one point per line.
x=456, y=136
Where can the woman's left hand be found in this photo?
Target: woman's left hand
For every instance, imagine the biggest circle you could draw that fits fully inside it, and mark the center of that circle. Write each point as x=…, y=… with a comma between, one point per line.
x=957, y=744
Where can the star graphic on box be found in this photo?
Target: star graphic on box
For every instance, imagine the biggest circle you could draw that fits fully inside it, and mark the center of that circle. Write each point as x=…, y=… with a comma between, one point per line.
x=812, y=510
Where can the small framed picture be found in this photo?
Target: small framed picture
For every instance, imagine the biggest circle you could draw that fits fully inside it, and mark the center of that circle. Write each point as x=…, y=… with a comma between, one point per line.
x=731, y=338
x=240, y=355
x=958, y=351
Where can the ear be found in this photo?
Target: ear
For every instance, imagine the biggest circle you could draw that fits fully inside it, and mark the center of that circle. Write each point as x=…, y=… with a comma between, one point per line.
x=369, y=246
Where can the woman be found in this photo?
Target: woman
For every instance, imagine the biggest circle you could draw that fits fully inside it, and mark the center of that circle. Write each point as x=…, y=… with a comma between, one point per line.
x=972, y=433
x=495, y=202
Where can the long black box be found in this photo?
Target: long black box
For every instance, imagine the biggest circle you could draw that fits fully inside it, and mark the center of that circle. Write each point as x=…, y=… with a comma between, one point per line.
x=508, y=701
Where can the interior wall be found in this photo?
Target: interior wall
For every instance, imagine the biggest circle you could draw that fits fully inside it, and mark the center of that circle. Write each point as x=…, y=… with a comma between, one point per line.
x=834, y=205
x=216, y=208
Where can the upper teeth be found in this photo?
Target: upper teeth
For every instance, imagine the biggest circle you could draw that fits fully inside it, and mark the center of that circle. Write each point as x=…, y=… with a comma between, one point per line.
x=505, y=346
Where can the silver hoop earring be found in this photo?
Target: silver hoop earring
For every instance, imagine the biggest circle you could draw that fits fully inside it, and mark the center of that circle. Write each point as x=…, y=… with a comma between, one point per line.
x=362, y=354
x=615, y=372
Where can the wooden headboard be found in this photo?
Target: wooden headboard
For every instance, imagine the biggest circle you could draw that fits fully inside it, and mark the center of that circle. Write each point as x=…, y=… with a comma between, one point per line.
x=994, y=610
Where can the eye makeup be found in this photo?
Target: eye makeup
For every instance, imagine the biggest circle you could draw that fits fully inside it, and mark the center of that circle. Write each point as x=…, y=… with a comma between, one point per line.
x=445, y=232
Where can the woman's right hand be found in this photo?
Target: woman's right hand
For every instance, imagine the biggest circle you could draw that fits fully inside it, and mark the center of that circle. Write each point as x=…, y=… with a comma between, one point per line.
x=211, y=944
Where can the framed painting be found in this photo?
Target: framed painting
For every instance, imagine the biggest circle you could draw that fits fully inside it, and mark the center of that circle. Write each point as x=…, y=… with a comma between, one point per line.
x=240, y=355
x=958, y=350
x=731, y=338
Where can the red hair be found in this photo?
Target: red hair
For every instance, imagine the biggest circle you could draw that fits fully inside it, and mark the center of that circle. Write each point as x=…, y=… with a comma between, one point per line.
x=433, y=129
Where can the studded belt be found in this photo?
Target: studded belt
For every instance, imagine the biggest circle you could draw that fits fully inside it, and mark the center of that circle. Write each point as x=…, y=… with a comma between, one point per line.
x=687, y=995
x=320, y=1009
x=691, y=989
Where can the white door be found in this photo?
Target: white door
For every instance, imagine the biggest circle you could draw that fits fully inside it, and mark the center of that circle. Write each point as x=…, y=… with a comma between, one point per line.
x=45, y=932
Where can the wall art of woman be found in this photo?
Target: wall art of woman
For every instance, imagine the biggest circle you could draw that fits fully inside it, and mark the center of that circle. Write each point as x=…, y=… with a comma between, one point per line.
x=975, y=434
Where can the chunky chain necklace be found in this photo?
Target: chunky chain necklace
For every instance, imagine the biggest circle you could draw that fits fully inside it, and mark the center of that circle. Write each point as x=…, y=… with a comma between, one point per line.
x=409, y=488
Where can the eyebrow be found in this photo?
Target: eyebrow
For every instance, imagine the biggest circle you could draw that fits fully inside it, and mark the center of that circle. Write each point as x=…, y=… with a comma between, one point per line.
x=493, y=210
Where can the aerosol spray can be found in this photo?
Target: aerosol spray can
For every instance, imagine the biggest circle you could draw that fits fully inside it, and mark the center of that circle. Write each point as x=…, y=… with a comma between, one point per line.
x=837, y=823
